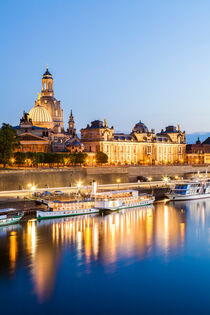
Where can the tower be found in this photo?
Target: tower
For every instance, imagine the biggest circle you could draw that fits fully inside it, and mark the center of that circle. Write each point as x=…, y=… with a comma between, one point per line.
x=47, y=106
x=71, y=129
x=47, y=84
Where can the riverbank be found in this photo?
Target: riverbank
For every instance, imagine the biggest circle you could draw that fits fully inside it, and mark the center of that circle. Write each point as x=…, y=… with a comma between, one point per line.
x=19, y=179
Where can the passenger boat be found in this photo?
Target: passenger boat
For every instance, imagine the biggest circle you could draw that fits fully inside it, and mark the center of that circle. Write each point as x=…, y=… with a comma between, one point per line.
x=189, y=190
x=122, y=199
x=10, y=216
x=58, y=209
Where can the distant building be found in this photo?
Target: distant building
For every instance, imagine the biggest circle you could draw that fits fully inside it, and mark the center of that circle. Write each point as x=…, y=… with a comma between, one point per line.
x=140, y=146
x=199, y=153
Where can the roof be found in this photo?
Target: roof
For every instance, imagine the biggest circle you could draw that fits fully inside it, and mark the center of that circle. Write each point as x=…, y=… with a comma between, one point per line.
x=207, y=141
x=140, y=127
x=163, y=137
x=121, y=136
x=47, y=74
x=40, y=114
x=30, y=137
x=33, y=127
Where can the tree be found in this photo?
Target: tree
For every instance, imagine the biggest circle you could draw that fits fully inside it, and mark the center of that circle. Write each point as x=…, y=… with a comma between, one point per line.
x=101, y=158
x=9, y=140
x=80, y=158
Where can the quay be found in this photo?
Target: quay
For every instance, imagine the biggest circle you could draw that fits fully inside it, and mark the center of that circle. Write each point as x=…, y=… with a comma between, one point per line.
x=28, y=193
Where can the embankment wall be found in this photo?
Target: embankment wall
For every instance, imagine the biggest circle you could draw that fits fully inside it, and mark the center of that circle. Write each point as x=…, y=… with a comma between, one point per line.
x=19, y=179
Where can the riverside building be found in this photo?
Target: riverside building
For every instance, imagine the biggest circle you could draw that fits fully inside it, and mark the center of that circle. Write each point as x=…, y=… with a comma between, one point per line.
x=199, y=153
x=42, y=129
x=141, y=146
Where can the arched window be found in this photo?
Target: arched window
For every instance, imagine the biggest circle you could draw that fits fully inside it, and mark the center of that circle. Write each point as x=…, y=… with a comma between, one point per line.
x=44, y=85
x=49, y=86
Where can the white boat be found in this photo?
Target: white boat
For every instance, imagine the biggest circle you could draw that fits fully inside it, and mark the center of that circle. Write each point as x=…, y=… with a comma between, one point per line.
x=10, y=217
x=122, y=199
x=58, y=209
x=189, y=190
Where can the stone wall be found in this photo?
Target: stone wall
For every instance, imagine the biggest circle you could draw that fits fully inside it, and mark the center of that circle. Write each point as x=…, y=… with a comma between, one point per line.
x=19, y=179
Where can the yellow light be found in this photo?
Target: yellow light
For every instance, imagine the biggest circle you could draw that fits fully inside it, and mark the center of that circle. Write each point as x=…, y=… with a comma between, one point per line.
x=87, y=161
x=79, y=184
x=94, y=160
x=165, y=179
x=12, y=160
x=118, y=180
x=149, y=178
x=33, y=188
x=29, y=185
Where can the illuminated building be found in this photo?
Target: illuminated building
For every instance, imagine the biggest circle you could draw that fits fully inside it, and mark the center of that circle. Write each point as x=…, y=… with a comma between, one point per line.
x=42, y=130
x=199, y=153
x=140, y=146
x=47, y=111
x=32, y=138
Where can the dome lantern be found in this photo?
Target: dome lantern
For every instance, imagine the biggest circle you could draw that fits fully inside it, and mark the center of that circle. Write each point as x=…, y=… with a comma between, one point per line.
x=47, y=84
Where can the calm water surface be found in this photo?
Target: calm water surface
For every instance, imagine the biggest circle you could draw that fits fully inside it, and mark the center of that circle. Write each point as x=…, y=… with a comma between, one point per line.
x=140, y=261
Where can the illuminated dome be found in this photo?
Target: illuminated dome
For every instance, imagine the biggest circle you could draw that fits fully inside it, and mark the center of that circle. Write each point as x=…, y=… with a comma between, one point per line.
x=40, y=116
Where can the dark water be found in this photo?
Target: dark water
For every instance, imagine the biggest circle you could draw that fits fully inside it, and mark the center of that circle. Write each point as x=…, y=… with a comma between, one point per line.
x=140, y=261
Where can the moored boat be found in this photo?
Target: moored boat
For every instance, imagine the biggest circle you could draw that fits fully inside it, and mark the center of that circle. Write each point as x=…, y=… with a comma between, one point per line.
x=10, y=216
x=122, y=199
x=189, y=190
x=59, y=209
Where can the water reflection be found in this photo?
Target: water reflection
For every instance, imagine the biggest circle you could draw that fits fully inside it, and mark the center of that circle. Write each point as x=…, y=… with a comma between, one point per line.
x=88, y=241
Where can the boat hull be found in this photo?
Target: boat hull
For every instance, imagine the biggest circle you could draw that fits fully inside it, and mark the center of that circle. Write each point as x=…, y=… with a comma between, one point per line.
x=9, y=221
x=134, y=205
x=188, y=197
x=42, y=215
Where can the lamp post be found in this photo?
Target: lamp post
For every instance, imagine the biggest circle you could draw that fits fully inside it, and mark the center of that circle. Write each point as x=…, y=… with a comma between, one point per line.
x=118, y=181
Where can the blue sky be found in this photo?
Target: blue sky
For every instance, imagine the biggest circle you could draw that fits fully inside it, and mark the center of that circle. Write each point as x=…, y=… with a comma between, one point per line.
x=120, y=60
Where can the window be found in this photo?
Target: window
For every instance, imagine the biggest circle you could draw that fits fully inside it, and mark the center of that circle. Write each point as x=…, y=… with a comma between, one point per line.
x=50, y=86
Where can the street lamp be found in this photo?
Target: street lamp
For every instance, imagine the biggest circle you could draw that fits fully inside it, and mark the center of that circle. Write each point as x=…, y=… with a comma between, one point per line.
x=118, y=180
x=12, y=160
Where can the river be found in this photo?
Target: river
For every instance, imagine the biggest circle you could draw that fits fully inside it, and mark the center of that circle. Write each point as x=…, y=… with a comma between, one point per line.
x=152, y=260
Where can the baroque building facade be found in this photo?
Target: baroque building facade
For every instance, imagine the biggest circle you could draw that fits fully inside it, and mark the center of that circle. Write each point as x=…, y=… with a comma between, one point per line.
x=42, y=129
x=140, y=146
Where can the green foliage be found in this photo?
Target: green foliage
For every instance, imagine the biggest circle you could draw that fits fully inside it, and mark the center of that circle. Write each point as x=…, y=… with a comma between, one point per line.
x=101, y=158
x=8, y=142
x=80, y=158
x=36, y=159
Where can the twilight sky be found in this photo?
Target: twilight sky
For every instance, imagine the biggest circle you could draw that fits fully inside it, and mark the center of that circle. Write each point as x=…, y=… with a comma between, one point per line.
x=123, y=60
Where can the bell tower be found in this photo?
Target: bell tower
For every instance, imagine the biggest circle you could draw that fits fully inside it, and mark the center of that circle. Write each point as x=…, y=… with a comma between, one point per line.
x=47, y=84
x=71, y=129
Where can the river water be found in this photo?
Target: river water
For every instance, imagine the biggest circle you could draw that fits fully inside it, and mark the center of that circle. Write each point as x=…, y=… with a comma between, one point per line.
x=152, y=260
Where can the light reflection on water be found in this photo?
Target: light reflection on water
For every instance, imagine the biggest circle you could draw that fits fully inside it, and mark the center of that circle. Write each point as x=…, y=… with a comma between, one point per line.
x=92, y=242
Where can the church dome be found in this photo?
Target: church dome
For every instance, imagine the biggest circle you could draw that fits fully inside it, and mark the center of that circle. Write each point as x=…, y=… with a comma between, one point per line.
x=140, y=128
x=40, y=114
